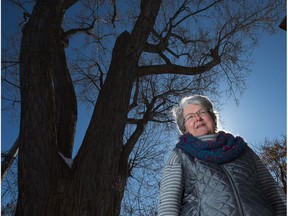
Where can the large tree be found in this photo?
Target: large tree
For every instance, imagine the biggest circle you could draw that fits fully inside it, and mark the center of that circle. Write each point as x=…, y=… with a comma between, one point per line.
x=167, y=49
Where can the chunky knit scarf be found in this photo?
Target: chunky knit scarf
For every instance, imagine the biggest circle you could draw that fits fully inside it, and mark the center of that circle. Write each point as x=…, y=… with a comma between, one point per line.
x=225, y=149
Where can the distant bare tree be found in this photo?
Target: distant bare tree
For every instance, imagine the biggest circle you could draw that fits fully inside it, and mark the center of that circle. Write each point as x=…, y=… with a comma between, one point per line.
x=9, y=191
x=274, y=155
x=131, y=62
x=146, y=163
x=8, y=158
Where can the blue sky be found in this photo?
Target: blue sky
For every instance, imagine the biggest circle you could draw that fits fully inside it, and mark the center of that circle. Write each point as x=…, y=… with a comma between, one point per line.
x=262, y=110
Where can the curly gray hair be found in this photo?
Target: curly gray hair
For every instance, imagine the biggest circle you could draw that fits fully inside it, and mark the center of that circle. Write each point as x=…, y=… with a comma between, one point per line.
x=195, y=99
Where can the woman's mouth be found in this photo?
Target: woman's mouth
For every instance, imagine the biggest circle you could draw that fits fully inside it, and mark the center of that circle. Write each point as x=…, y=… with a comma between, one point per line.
x=200, y=125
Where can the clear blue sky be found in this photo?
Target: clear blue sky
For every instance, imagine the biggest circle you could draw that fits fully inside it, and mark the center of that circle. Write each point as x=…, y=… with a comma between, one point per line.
x=262, y=110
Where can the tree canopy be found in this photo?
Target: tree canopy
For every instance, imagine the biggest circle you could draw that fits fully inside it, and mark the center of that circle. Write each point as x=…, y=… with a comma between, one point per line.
x=131, y=61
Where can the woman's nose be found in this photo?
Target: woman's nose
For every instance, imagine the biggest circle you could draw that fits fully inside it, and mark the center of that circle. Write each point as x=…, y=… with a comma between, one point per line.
x=198, y=117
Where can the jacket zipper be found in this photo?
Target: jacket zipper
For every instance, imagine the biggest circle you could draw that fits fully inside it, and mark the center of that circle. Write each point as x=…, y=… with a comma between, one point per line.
x=235, y=189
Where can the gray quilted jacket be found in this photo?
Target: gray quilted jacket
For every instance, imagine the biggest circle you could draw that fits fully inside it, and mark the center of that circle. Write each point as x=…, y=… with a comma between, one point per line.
x=232, y=189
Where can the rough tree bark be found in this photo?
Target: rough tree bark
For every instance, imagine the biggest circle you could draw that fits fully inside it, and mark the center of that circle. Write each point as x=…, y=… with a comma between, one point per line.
x=48, y=108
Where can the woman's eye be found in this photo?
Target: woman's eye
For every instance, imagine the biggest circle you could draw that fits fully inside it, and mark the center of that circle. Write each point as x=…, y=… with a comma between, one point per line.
x=190, y=117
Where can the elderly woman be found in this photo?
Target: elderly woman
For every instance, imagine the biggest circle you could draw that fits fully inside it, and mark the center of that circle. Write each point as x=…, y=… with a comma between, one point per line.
x=214, y=173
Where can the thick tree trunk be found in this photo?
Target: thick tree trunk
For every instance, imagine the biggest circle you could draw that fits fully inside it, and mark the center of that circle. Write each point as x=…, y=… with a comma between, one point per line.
x=95, y=184
x=104, y=138
x=103, y=143
x=95, y=181
x=48, y=109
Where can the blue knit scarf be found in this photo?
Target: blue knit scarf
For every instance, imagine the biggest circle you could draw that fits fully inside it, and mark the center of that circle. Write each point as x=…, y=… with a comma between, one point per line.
x=225, y=149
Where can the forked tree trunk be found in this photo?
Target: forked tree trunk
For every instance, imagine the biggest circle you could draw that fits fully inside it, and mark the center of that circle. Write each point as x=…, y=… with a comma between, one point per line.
x=95, y=184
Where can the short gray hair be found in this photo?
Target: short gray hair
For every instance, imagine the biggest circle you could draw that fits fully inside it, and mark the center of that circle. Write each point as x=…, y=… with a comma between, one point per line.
x=195, y=99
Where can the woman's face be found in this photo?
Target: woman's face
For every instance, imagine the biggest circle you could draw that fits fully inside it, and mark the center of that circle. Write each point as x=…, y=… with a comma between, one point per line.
x=197, y=120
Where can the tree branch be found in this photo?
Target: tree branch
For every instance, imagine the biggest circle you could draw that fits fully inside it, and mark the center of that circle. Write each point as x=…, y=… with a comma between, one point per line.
x=143, y=27
x=176, y=69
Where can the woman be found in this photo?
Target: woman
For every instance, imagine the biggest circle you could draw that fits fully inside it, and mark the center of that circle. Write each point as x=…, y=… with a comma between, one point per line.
x=214, y=173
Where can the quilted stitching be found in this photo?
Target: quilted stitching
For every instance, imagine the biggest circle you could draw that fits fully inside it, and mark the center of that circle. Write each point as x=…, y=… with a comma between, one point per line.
x=209, y=191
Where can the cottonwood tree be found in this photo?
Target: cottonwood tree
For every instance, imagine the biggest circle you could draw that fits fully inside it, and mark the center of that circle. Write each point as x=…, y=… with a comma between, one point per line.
x=274, y=155
x=132, y=62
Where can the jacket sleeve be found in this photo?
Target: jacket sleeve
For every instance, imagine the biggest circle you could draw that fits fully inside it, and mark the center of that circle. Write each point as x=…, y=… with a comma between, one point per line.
x=272, y=191
x=171, y=187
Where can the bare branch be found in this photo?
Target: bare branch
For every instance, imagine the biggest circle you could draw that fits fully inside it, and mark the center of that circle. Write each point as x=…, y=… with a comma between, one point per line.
x=176, y=69
x=9, y=158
